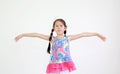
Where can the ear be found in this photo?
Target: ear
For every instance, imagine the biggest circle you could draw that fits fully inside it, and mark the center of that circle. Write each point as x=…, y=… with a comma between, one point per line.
x=65, y=28
x=53, y=28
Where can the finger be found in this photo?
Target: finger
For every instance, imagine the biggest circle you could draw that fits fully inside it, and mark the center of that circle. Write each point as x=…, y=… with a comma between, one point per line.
x=104, y=38
x=16, y=39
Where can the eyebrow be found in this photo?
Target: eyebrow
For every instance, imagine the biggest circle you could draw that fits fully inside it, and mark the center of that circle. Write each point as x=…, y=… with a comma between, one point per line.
x=58, y=24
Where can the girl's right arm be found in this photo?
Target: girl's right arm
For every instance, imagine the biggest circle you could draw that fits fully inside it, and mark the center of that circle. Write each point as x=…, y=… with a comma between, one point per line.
x=45, y=37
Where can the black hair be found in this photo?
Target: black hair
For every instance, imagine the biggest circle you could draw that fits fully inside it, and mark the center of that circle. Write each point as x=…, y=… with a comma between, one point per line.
x=65, y=33
x=50, y=38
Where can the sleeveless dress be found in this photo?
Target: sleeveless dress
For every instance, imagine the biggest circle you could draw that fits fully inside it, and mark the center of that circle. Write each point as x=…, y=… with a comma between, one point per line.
x=60, y=59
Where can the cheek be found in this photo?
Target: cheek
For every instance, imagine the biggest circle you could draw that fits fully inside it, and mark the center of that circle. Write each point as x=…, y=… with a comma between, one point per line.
x=54, y=29
x=64, y=29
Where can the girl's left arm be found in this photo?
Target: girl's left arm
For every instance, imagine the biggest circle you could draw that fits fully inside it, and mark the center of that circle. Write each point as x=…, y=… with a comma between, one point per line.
x=86, y=34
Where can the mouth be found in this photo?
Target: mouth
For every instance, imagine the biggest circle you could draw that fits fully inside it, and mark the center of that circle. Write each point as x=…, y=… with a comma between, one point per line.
x=59, y=30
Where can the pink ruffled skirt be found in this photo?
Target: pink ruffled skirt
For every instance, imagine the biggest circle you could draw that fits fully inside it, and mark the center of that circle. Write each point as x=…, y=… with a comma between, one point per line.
x=58, y=67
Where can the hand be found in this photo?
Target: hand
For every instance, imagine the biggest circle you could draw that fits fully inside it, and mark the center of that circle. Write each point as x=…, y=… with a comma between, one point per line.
x=102, y=37
x=18, y=37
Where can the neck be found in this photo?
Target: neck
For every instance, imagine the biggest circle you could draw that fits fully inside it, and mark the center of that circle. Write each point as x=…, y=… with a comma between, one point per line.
x=60, y=35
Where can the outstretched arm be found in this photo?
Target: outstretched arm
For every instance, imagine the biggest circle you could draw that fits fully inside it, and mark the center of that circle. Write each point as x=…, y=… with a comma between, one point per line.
x=86, y=34
x=45, y=37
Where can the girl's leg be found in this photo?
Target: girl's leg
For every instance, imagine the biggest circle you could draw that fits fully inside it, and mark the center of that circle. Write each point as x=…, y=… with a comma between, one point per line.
x=65, y=72
x=54, y=73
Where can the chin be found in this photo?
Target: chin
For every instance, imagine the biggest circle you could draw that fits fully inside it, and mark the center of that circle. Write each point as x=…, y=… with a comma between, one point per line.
x=60, y=33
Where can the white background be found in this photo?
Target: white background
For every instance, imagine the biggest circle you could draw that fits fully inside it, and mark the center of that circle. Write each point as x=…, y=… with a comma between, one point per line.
x=90, y=54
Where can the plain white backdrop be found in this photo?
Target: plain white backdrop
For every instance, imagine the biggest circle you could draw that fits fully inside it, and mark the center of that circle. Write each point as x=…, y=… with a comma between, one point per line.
x=90, y=54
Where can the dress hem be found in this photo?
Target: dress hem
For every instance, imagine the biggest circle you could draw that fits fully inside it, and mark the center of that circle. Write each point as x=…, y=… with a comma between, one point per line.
x=58, y=67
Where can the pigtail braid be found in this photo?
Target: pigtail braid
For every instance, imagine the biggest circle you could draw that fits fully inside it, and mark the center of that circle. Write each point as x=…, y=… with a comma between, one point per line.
x=50, y=38
x=65, y=33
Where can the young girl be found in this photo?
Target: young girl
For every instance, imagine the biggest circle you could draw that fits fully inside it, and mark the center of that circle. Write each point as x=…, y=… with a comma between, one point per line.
x=60, y=59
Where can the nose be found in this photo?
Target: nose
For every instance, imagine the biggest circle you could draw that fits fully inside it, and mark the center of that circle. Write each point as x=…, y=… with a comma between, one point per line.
x=59, y=27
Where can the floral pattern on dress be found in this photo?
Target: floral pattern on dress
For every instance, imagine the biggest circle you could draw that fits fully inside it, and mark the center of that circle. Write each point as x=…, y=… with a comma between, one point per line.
x=60, y=51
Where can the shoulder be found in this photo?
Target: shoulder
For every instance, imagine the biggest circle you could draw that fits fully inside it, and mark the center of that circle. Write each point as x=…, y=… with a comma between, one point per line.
x=53, y=39
x=68, y=37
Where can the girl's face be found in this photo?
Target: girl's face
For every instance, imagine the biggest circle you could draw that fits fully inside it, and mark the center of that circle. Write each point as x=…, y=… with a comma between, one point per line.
x=59, y=28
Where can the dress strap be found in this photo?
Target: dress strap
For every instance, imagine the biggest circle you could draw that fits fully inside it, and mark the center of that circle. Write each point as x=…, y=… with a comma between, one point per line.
x=54, y=38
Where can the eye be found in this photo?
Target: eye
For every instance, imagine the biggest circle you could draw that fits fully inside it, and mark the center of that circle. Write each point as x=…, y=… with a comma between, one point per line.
x=61, y=25
x=56, y=25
